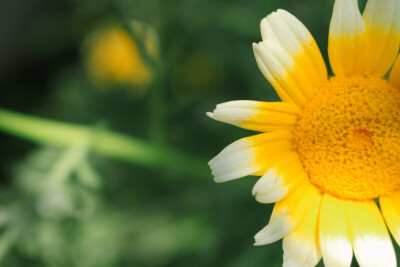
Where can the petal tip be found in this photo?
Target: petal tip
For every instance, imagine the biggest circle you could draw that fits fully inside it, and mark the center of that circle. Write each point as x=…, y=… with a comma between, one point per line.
x=219, y=180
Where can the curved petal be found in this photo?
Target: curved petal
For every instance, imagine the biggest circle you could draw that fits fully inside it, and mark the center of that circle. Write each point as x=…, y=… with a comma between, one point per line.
x=382, y=22
x=250, y=155
x=334, y=235
x=394, y=78
x=286, y=30
x=289, y=58
x=288, y=214
x=280, y=180
x=346, y=46
x=390, y=207
x=370, y=238
x=274, y=63
x=257, y=116
x=301, y=247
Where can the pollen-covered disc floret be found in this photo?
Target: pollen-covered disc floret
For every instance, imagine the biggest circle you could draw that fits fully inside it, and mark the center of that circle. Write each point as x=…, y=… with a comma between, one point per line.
x=348, y=138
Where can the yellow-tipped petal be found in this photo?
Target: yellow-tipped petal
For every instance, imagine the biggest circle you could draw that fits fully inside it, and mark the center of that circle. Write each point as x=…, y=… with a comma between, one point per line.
x=334, y=235
x=301, y=247
x=390, y=207
x=250, y=155
x=346, y=39
x=280, y=180
x=394, y=78
x=288, y=214
x=257, y=116
x=289, y=58
x=370, y=239
x=382, y=22
x=275, y=63
x=286, y=30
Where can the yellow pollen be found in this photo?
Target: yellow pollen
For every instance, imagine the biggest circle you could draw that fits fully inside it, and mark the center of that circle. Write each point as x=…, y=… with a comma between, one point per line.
x=348, y=138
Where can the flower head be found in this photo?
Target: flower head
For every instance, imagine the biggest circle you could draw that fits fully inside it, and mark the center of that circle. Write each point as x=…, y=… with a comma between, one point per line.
x=114, y=57
x=330, y=152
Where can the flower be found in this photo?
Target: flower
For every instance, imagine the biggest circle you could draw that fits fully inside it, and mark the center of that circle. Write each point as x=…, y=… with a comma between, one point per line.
x=113, y=57
x=330, y=152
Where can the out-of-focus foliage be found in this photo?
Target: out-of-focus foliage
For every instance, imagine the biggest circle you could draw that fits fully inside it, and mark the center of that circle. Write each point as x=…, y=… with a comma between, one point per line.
x=67, y=206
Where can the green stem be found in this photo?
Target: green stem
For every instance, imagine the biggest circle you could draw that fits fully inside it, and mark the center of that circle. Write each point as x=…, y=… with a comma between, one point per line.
x=157, y=111
x=157, y=108
x=103, y=142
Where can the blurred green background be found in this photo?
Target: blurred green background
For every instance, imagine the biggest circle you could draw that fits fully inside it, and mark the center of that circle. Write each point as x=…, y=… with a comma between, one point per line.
x=147, y=69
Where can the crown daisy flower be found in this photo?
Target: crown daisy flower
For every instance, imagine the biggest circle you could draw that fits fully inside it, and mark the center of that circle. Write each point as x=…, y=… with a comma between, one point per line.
x=329, y=153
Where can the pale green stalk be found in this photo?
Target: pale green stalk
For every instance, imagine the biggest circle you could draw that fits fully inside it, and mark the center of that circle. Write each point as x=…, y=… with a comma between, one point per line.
x=103, y=142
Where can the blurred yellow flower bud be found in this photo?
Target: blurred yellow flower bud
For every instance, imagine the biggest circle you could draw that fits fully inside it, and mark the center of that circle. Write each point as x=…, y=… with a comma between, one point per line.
x=113, y=57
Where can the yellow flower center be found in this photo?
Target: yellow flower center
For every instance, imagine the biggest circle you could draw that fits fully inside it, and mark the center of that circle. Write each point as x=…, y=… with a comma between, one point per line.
x=348, y=138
